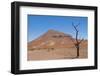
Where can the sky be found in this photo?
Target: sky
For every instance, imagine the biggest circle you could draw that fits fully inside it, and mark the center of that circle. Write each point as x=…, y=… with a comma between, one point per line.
x=39, y=24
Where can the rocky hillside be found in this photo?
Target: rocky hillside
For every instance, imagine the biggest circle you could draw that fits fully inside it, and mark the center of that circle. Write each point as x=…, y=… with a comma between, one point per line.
x=54, y=39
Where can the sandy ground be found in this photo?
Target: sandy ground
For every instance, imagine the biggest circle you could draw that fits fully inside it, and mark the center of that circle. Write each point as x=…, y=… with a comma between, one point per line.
x=57, y=53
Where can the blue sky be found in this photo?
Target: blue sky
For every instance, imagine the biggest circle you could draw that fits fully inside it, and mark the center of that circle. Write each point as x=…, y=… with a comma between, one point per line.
x=39, y=24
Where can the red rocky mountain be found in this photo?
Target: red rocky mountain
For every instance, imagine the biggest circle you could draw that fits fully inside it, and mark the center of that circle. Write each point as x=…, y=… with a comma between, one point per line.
x=54, y=39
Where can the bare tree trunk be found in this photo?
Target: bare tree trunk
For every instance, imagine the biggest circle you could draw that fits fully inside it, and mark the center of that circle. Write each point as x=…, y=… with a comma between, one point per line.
x=77, y=44
x=77, y=51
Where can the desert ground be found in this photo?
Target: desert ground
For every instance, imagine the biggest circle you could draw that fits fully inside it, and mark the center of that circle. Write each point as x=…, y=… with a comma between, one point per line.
x=56, y=53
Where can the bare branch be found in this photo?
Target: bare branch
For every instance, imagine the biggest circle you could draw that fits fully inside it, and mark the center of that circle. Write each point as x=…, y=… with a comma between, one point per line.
x=75, y=27
x=81, y=40
x=77, y=24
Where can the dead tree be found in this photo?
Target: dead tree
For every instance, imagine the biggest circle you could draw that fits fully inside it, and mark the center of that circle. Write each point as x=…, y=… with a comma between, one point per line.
x=77, y=42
